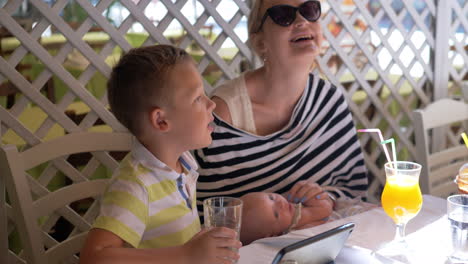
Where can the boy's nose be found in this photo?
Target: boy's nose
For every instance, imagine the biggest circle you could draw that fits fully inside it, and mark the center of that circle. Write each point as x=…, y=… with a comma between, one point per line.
x=211, y=104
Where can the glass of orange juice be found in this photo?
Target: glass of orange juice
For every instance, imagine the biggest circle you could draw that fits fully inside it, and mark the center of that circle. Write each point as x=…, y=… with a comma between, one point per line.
x=401, y=200
x=462, y=179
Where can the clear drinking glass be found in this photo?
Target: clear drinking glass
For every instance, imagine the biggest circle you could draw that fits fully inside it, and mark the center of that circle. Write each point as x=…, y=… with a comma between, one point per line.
x=401, y=200
x=462, y=179
x=223, y=212
x=457, y=213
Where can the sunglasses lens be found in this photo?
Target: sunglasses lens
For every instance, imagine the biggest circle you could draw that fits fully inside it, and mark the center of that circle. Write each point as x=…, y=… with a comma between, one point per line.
x=282, y=15
x=310, y=10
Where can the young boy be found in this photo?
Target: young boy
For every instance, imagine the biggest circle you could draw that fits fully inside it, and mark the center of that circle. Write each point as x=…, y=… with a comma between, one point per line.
x=148, y=213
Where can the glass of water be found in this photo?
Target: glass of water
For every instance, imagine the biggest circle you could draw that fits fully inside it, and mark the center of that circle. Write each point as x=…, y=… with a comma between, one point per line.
x=223, y=212
x=457, y=213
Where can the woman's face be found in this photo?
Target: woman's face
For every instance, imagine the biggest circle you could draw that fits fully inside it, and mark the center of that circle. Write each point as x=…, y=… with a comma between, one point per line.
x=298, y=42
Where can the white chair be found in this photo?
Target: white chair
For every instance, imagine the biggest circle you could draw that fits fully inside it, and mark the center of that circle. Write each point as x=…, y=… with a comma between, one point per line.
x=440, y=167
x=36, y=211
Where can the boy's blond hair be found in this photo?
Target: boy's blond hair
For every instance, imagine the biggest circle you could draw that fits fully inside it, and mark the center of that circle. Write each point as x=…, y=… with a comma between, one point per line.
x=138, y=82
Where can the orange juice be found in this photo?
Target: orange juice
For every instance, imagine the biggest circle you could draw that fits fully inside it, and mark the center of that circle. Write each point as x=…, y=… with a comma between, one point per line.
x=401, y=198
x=462, y=180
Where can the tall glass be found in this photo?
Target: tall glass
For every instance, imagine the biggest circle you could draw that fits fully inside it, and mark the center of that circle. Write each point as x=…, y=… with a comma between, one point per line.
x=223, y=212
x=401, y=200
x=462, y=179
x=457, y=213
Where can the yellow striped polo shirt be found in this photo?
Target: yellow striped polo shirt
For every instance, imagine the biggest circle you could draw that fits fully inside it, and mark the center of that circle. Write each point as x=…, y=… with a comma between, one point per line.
x=148, y=204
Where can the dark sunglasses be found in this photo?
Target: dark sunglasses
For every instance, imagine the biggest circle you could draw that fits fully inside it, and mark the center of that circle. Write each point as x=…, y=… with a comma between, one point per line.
x=284, y=15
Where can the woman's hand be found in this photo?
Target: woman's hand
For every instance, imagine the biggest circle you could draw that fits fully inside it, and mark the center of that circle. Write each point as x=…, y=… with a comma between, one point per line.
x=306, y=193
x=311, y=195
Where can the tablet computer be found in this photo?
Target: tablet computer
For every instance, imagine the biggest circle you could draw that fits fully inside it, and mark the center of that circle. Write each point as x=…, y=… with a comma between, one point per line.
x=320, y=249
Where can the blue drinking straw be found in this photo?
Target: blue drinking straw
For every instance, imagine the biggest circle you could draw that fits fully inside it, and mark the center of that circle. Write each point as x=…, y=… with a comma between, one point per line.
x=391, y=140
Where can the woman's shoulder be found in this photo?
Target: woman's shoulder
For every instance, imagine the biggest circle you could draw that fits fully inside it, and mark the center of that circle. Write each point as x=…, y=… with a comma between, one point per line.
x=230, y=98
x=228, y=87
x=317, y=81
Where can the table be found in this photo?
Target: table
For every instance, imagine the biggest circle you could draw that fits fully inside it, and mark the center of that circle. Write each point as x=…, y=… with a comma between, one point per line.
x=373, y=228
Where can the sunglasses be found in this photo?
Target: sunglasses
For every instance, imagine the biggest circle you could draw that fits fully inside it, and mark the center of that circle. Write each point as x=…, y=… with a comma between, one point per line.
x=284, y=15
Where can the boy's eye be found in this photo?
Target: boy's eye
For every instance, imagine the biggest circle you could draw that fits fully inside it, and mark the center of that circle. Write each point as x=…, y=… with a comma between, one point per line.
x=271, y=197
x=198, y=99
x=276, y=215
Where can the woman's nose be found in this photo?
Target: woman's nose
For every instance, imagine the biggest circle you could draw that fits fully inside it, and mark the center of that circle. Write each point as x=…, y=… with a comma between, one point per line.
x=300, y=20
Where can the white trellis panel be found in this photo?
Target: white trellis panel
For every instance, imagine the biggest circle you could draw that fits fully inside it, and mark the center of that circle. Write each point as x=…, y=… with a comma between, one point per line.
x=383, y=54
x=377, y=70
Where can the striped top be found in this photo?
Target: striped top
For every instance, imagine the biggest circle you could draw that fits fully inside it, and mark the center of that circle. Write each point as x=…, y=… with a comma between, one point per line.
x=149, y=205
x=318, y=144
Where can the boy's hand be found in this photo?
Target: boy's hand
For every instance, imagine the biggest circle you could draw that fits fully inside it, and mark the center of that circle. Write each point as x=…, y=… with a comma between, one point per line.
x=213, y=246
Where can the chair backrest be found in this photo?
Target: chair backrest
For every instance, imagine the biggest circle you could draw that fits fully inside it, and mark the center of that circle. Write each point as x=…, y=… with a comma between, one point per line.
x=440, y=167
x=39, y=210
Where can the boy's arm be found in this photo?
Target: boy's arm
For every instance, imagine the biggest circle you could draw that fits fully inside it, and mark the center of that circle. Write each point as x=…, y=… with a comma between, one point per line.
x=103, y=246
x=209, y=246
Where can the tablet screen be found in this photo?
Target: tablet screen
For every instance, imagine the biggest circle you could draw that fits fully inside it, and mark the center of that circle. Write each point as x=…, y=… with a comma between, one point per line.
x=320, y=249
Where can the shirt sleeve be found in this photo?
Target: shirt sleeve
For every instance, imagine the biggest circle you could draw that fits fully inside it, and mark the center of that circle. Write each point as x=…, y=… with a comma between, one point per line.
x=124, y=210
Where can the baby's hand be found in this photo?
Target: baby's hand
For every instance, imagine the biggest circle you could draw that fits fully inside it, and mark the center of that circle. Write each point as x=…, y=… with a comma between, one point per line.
x=306, y=193
x=213, y=245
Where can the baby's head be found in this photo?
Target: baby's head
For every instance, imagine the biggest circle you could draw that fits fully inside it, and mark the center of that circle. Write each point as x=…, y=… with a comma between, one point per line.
x=158, y=88
x=264, y=215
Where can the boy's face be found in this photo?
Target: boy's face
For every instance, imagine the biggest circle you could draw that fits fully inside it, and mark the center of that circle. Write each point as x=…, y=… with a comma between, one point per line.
x=190, y=111
x=267, y=214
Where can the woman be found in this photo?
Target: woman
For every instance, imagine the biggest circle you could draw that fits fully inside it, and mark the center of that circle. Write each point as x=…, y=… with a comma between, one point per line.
x=279, y=124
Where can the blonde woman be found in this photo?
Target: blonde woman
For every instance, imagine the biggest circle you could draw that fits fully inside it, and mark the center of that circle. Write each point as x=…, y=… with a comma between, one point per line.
x=280, y=124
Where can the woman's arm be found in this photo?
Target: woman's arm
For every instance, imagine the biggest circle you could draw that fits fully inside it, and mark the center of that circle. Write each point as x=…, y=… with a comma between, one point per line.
x=315, y=215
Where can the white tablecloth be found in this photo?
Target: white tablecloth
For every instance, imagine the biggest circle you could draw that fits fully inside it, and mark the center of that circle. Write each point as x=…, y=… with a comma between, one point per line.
x=372, y=229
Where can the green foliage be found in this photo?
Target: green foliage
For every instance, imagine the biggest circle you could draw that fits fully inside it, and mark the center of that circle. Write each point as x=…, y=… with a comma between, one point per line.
x=74, y=13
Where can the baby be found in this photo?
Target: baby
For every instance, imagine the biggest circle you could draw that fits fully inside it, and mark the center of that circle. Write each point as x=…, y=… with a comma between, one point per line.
x=271, y=214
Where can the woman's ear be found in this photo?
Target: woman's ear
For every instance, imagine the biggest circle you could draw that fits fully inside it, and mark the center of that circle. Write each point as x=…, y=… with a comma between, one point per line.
x=258, y=44
x=158, y=120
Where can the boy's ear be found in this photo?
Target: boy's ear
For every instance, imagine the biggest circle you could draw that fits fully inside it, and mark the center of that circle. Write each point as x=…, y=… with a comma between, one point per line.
x=158, y=120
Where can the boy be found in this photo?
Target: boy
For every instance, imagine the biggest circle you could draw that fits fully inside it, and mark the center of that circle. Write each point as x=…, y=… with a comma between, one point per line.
x=148, y=213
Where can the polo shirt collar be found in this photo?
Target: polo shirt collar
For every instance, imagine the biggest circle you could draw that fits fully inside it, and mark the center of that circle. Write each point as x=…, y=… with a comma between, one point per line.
x=147, y=159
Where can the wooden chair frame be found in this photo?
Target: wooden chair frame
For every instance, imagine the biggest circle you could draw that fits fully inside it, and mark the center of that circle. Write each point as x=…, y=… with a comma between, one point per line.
x=439, y=168
x=26, y=210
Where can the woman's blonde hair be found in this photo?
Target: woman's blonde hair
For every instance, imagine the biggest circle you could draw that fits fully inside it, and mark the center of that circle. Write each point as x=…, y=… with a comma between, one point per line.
x=255, y=17
x=253, y=22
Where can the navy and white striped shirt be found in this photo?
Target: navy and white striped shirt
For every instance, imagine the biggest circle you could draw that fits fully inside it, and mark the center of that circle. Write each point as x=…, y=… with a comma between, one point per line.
x=318, y=144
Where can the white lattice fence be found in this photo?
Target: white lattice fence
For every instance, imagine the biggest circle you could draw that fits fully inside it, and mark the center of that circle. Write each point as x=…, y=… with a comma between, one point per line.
x=384, y=69
x=458, y=50
x=381, y=53
x=61, y=64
